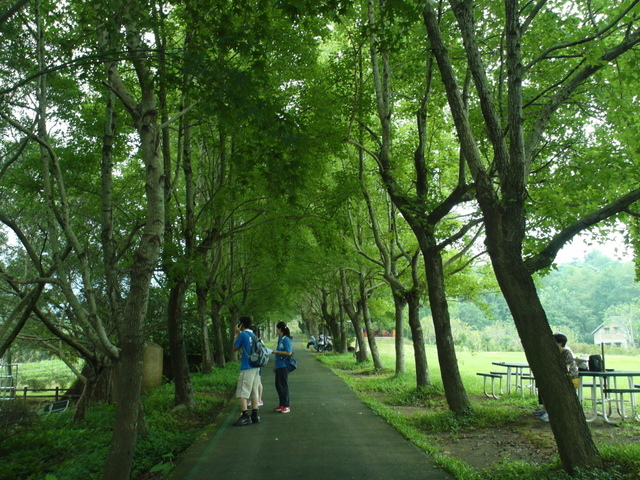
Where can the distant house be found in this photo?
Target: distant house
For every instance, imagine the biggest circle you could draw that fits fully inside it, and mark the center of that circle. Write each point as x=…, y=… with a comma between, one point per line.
x=611, y=333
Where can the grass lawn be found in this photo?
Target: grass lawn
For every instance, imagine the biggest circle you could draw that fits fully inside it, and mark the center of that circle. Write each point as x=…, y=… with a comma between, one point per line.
x=470, y=363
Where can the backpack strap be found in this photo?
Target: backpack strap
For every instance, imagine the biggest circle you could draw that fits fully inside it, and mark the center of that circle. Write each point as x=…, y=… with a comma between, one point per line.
x=252, y=336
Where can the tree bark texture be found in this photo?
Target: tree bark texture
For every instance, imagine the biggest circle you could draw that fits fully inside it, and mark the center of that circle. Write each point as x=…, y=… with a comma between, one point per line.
x=575, y=444
x=423, y=378
x=371, y=335
x=399, y=304
x=354, y=315
x=219, y=343
x=457, y=397
x=178, y=352
x=419, y=218
x=205, y=340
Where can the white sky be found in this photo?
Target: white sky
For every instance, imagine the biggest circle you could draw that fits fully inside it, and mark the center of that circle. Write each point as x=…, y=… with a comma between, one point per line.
x=577, y=249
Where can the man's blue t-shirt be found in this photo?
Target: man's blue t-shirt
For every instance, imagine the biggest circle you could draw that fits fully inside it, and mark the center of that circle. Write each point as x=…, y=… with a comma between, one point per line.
x=284, y=345
x=243, y=342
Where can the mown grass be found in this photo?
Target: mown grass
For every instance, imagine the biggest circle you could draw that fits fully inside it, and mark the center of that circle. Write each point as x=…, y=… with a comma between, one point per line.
x=385, y=389
x=55, y=448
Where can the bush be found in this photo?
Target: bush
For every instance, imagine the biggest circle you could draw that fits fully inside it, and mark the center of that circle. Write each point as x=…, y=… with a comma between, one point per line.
x=14, y=417
x=54, y=445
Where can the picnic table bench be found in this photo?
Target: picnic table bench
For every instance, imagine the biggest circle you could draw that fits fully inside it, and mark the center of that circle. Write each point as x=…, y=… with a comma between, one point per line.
x=493, y=376
x=56, y=407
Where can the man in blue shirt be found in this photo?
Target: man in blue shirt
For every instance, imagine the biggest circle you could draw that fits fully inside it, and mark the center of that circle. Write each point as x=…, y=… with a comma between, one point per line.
x=249, y=379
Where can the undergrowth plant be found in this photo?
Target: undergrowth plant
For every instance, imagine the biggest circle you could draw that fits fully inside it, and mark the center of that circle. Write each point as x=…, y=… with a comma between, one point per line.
x=56, y=448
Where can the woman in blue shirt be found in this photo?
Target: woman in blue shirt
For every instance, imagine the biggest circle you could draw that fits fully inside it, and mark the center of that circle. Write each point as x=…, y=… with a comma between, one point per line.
x=282, y=351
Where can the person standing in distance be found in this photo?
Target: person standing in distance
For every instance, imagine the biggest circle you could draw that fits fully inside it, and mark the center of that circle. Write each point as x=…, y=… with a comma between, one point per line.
x=249, y=378
x=282, y=351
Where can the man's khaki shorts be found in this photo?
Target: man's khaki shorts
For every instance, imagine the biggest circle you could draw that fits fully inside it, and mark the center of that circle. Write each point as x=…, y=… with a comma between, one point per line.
x=248, y=383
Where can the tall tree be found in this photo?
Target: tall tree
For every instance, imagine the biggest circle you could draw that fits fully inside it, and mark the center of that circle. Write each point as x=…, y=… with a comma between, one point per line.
x=391, y=252
x=129, y=328
x=427, y=208
x=514, y=126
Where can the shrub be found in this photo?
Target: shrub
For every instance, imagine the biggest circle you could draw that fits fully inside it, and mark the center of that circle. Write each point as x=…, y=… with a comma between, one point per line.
x=14, y=417
x=53, y=446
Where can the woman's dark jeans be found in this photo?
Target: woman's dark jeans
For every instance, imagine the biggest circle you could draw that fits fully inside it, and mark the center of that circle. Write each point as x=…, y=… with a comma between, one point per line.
x=282, y=386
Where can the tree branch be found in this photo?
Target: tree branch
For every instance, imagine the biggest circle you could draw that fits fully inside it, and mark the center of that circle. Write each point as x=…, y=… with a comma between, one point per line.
x=546, y=257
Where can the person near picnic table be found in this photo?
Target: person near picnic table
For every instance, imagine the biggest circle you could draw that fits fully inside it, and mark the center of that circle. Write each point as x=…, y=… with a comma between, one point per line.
x=569, y=363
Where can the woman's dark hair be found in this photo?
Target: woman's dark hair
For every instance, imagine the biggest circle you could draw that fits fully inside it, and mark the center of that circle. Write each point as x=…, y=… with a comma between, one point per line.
x=245, y=321
x=284, y=329
x=255, y=330
x=561, y=339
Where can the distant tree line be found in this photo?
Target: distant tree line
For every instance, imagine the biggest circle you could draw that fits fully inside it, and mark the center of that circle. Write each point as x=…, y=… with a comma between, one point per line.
x=578, y=297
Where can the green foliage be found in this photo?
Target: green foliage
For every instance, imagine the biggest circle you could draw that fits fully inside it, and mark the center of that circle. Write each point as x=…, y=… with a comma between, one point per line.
x=45, y=374
x=56, y=446
x=577, y=296
x=15, y=416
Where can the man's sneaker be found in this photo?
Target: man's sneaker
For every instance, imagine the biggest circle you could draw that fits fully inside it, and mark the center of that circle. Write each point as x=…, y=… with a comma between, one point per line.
x=243, y=420
x=255, y=418
x=284, y=410
x=539, y=412
x=260, y=403
x=545, y=417
x=277, y=409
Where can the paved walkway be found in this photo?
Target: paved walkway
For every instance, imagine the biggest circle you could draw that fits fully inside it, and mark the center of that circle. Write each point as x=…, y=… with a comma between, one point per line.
x=329, y=434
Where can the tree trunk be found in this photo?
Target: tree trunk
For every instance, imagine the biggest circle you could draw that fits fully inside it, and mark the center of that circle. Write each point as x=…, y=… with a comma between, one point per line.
x=399, y=304
x=219, y=344
x=505, y=219
x=127, y=386
x=371, y=336
x=342, y=326
x=423, y=378
x=423, y=216
x=130, y=327
x=575, y=444
x=362, y=351
x=203, y=321
x=333, y=327
x=454, y=390
x=178, y=353
x=93, y=376
x=354, y=315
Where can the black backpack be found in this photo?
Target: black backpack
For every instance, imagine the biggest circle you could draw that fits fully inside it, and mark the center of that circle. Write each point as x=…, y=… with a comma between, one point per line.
x=595, y=363
x=259, y=355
